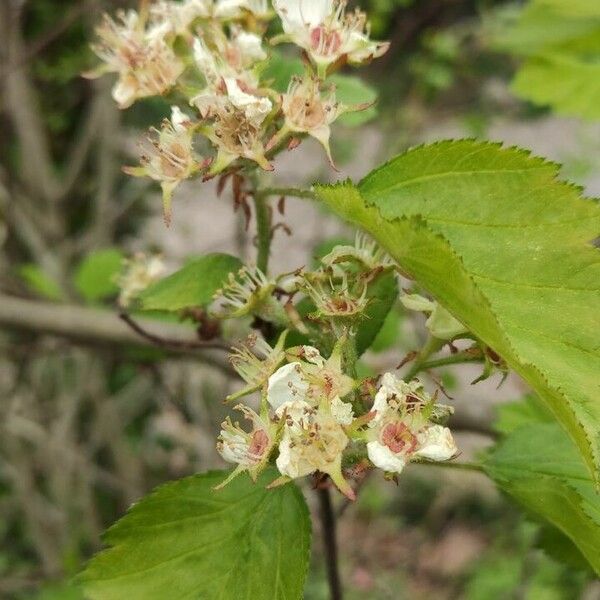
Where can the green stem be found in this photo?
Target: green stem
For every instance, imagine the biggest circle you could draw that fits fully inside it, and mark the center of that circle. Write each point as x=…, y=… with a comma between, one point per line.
x=294, y=192
x=263, y=229
x=464, y=466
x=454, y=359
x=431, y=347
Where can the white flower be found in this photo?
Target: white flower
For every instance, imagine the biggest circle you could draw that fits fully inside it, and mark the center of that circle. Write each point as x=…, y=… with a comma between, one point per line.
x=140, y=271
x=327, y=32
x=401, y=430
x=249, y=450
x=170, y=157
x=146, y=65
x=312, y=441
x=441, y=324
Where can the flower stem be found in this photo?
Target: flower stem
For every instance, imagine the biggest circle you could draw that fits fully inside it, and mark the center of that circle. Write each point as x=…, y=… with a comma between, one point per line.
x=263, y=229
x=432, y=346
x=294, y=192
x=327, y=517
x=453, y=359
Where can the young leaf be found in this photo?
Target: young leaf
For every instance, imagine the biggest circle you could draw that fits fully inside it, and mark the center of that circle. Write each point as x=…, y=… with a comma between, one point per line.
x=186, y=541
x=193, y=285
x=538, y=465
x=505, y=247
x=95, y=275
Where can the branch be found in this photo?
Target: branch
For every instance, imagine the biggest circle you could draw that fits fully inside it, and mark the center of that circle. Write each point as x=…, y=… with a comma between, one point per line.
x=96, y=326
x=327, y=517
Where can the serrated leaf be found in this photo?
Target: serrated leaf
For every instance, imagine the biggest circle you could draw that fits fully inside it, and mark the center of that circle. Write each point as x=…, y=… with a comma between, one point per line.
x=193, y=285
x=187, y=541
x=505, y=247
x=539, y=466
x=95, y=276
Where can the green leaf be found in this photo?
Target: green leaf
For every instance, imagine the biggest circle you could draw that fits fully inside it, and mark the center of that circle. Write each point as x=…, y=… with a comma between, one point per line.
x=39, y=282
x=193, y=285
x=505, y=247
x=187, y=541
x=560, y=40
x=95, y=276
x=512, y=415
x=389, y=333
x=538, y=465
x=352, y=91
x=281, y=69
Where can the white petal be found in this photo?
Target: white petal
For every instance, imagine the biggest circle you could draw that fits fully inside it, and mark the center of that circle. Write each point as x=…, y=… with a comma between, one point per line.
x=205, y=60
x=436, y=443
x=387, y=389
x=297, y=15
x=250, y=46
x=290, y=461
x=381, y=456
x=255, y=108
x=341, y=411
x=179, y=119
x=286, y=385
x=312, y=355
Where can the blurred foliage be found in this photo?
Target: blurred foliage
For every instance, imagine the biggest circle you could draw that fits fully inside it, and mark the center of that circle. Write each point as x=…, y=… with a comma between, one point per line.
x=559, y=41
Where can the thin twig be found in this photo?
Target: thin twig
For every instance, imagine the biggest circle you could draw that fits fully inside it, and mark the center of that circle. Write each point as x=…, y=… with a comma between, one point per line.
x=171, y=344
x=327, y=517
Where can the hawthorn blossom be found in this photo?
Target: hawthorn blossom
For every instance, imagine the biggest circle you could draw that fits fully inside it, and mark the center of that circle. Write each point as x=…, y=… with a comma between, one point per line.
x=145, y=63
x=440, y=323
x=307, y=112
x=139, y=272
x=336, y=298
x=313, y=380
x=401, y=430
x=312, y=440
x=249, y=450
x=327, y=32
x=170, y=157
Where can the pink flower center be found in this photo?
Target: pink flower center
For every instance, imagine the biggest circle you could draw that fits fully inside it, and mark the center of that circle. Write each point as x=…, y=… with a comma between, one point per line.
x=259, y=443
x=324, y=41
x=398, y=438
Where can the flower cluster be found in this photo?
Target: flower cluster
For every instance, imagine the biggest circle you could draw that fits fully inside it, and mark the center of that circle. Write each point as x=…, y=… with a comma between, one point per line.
x=209, y=59
x=307, y=418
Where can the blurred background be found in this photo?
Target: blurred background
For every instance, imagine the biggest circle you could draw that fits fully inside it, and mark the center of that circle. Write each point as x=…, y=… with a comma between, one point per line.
x=93, y=415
